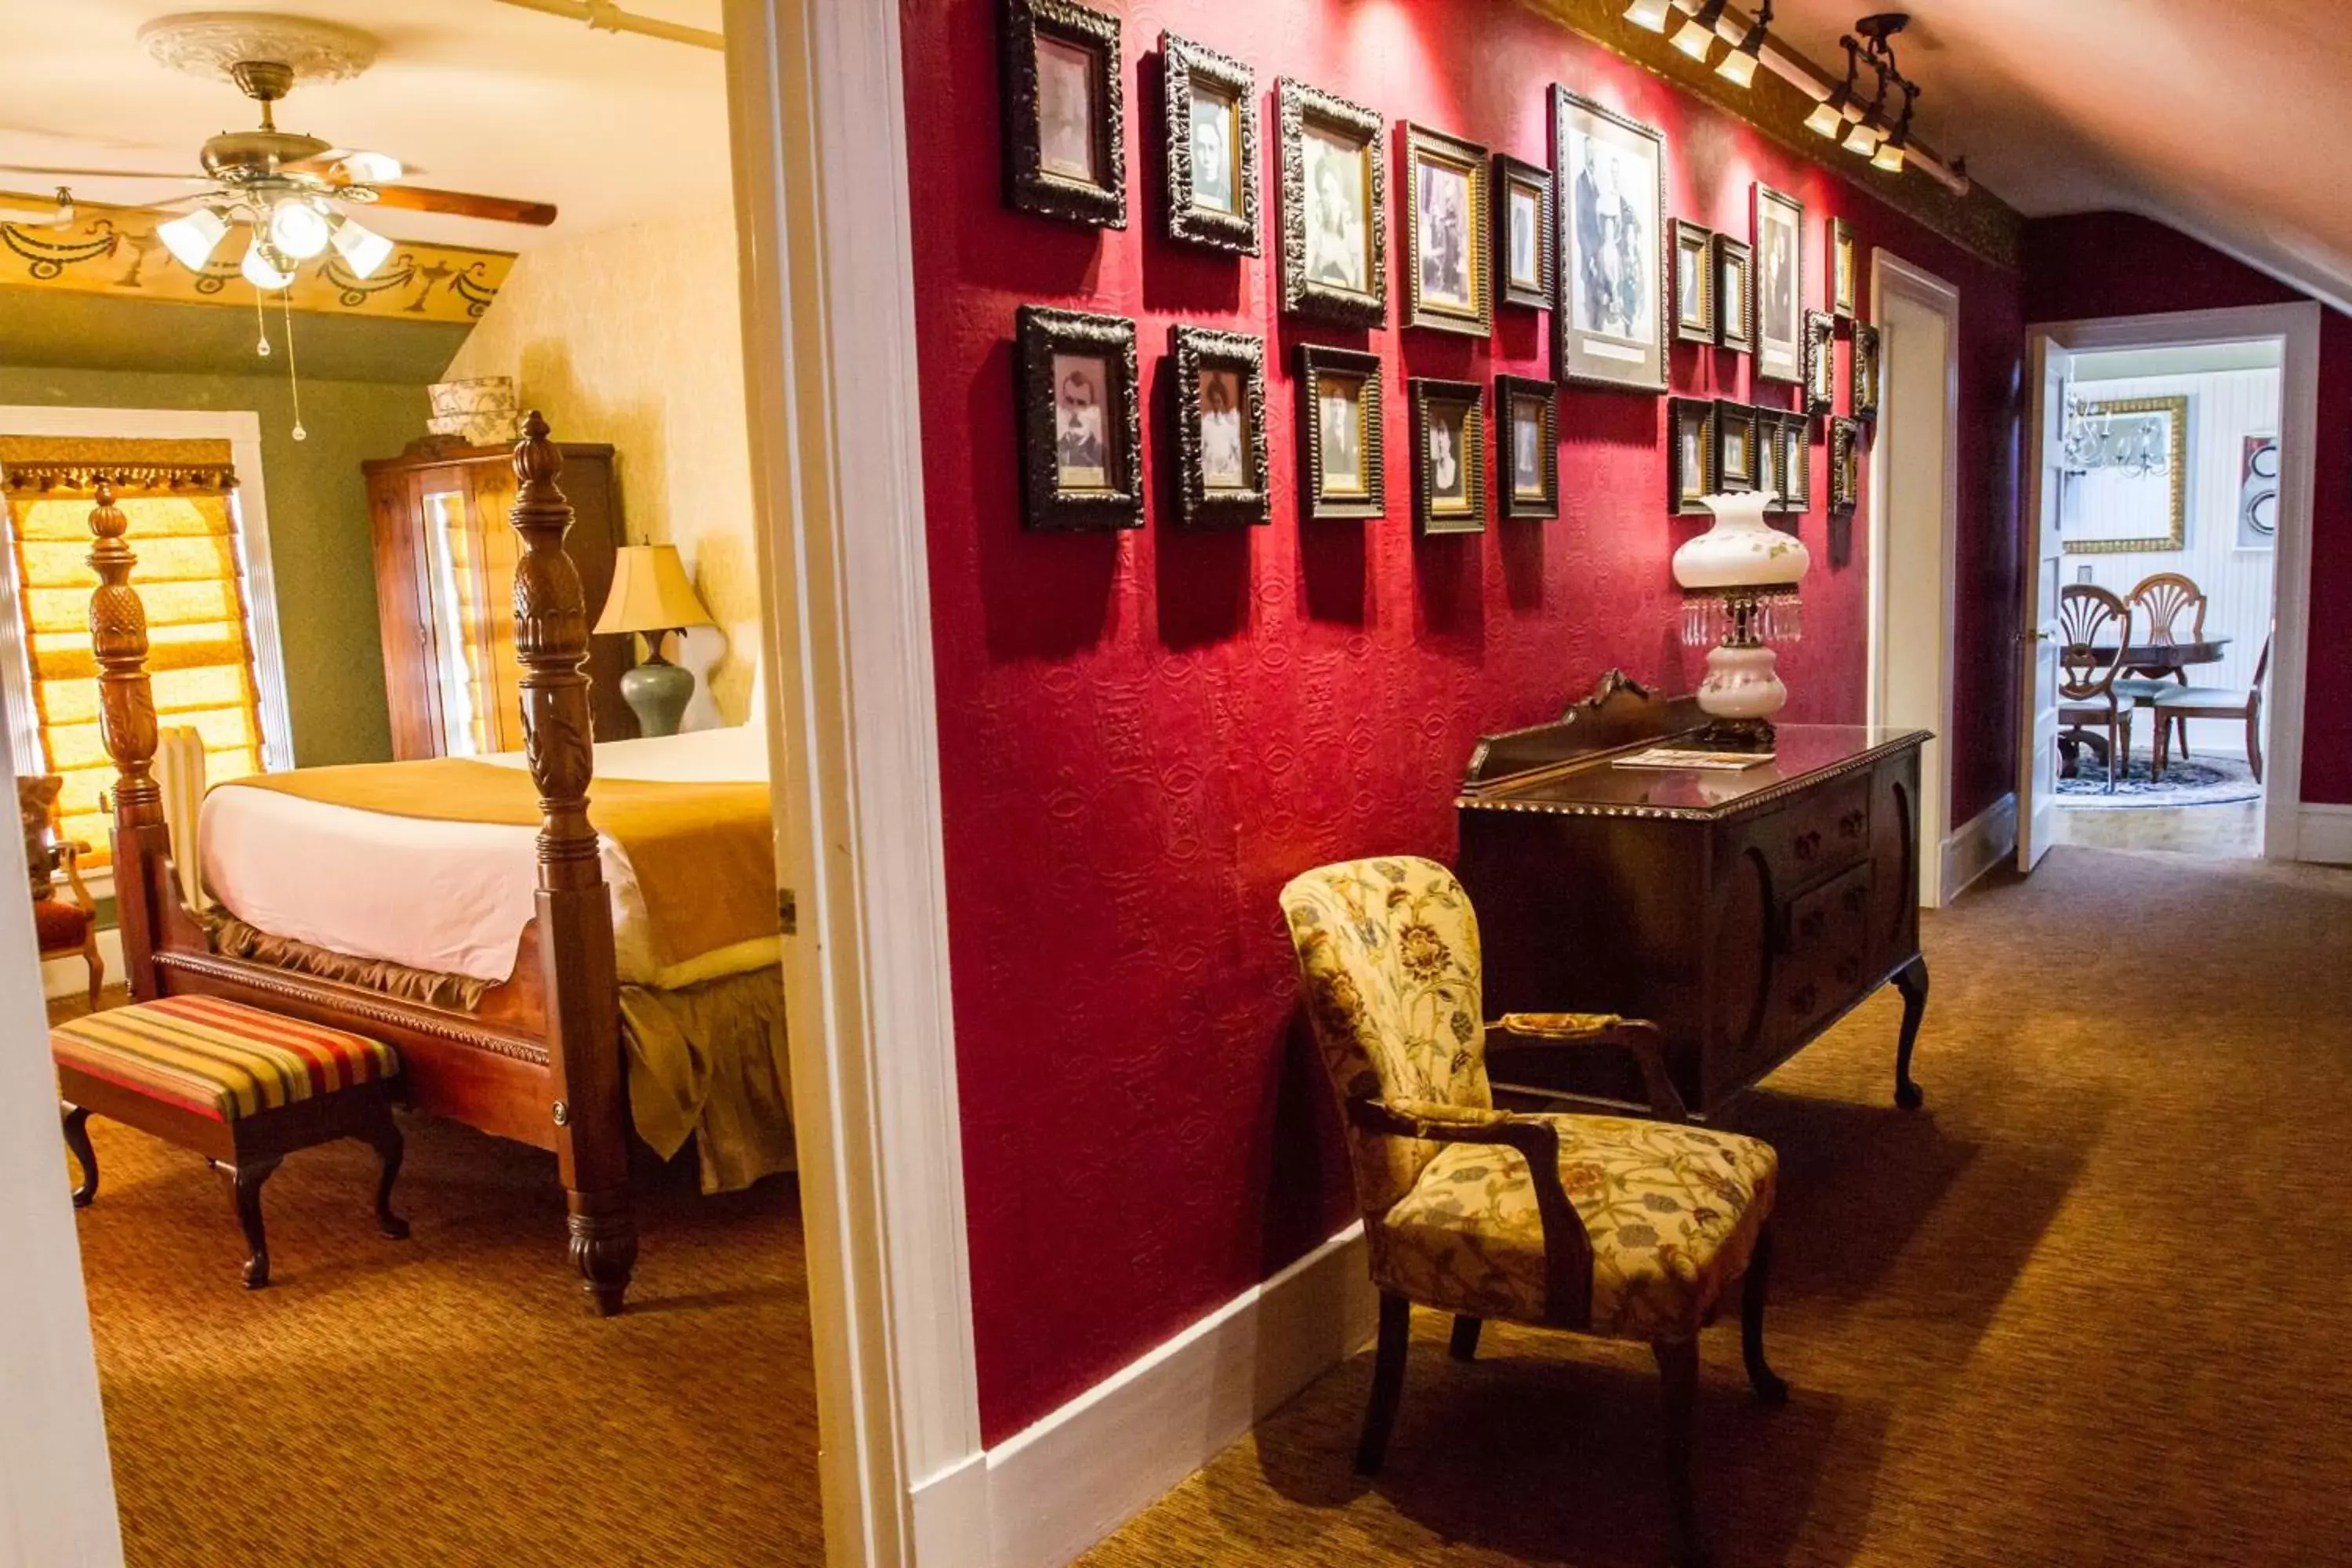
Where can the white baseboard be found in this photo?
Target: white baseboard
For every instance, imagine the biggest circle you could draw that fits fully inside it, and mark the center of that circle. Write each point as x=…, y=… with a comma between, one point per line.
x=70, y=976
x=2324, y=833
x=1080, y=1473
x=1989, y=838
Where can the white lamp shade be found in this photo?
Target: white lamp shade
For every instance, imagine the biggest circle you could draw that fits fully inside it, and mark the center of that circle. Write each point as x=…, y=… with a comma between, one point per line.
x=1650, y=13
x=1694, y=38
x=1862, y=139
x=298, y=230
x=1738, y=68
x=261, y=271
x=194, y=237
x=651, y=592
x=1742, y=550
x=363, y=249
x=1824, y=119
x=1888, y=157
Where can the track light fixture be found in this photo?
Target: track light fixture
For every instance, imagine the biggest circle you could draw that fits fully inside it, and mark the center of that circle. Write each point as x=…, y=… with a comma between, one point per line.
x=1695, y=36
x=1890, y=155
x=1828, y=118
x=1650, y=13
x=1738, y=66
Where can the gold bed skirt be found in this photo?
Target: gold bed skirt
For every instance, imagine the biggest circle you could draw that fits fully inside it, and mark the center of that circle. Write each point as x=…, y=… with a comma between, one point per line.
x=706, y=1061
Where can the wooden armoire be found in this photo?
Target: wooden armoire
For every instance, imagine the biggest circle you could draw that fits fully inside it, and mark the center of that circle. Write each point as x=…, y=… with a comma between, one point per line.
x=444, y=562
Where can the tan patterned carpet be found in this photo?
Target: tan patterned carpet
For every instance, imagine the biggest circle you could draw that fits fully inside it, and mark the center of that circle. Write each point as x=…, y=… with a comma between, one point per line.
x=444, y=1401
x=2092, y=1306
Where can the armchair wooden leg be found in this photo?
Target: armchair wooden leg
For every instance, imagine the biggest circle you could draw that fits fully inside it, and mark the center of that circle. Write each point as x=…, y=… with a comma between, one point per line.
x=1767, y=1384
x=1388, y=1383
x=78, y=1140
x=1466, y=1338
x=1678, y=1371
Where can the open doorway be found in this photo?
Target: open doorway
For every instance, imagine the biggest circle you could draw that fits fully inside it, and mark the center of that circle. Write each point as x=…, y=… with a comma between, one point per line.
x=2166, y=586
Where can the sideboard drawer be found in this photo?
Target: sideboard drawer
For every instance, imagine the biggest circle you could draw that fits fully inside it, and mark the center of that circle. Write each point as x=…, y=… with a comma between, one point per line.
x=1816, y=834
x=1824, y=948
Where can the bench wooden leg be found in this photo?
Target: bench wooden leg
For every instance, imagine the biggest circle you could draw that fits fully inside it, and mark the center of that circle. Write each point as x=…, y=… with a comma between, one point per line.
x=78, y=1140
x=383, y=1135
x=245, y=1181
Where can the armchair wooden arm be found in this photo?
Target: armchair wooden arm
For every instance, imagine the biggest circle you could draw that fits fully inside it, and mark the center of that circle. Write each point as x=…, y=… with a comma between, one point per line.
x=66, y=856
x=1568, y=1250
x=1637, y=1038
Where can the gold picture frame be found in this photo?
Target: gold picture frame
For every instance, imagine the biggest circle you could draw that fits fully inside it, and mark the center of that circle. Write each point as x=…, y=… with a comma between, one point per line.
x=1448, y=241
x=2175, y=410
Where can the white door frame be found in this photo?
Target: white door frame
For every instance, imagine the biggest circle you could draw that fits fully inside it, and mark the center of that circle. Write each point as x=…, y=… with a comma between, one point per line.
x=2297, y=327
x=1890, y=274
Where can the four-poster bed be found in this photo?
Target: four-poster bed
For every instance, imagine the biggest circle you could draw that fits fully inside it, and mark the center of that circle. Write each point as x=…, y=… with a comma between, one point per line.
x=538, y=1056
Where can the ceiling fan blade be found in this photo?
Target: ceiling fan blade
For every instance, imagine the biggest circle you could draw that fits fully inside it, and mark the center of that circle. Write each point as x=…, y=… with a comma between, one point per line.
x=353, y=166
x=101, y=173
x=458, y=204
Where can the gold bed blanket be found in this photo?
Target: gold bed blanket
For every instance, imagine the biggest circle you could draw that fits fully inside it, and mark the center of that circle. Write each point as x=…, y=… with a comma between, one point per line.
x=704, y=853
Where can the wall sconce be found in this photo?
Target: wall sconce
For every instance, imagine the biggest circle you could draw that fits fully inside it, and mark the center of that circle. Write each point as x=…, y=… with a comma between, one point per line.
x=1695, y=36
x=1650, y=13
x=1738, y=66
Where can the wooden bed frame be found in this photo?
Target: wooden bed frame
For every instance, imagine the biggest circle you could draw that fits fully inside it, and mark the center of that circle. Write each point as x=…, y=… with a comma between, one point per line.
x=540, y=1059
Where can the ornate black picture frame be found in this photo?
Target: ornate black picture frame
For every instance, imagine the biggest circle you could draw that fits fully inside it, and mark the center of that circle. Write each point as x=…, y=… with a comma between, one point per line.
x=1778, y=243
x=1734, y=294
x=1335, y=225
x=1078, y=473
x=1345, y=467
x=1843, y=283
x=1527, y=460
x=1449, y=454
x=1221, y=451
x=1690, y=455
x=1526, y=256
x=1846, y=467
x=1058, y=59
x=1796, y=464
x=1209, y=110
x=1862, y=374
x=1449, y=247
x=1609, y=325
x=1771, y=456
x=1694, y=282
x=1821, y=363
x=1735, y=445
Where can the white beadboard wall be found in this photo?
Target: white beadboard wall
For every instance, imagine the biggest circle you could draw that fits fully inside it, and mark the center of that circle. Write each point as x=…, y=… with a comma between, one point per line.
x=2224, y=407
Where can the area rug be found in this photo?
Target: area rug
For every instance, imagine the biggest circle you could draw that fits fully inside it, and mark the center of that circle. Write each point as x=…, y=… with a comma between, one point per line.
x=2200, y=781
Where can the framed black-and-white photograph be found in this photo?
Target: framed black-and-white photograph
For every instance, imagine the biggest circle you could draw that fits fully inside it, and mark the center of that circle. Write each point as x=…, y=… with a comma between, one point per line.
x=1694, y=283
x=1735, y=445
x=1846, y=467
x=1212, y=131
x=1609, y=328
x=1064, y=113
x=1734, y=294
x=1690, y=455
x=1821, y=363
x=1448, y=247
x=1863, y=394
x=1771, y=456
x=1523, y=233
x=1842, y=269
x=1221, y=449
x=1081, y=420
x=1779, y=266
x=1334, y=255
x=1340, y=420
x=1449, y=456
x=1526, y=447
x=1796, y=463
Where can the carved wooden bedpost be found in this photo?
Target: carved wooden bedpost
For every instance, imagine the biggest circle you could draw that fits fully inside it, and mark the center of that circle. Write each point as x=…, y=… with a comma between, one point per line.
x=126, y=721
x=575, y=912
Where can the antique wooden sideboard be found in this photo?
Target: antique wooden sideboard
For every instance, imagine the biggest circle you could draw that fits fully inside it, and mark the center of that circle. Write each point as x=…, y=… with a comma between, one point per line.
x=1743, y=912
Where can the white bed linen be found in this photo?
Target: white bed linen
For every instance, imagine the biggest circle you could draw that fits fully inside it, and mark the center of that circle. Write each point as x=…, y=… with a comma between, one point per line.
x=452, y=896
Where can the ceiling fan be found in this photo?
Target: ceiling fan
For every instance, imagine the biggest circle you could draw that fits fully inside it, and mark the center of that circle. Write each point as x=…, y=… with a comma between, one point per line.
x=290, y=188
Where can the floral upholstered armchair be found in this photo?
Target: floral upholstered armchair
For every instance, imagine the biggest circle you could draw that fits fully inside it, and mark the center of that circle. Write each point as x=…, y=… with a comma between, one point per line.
x=1610, y=1226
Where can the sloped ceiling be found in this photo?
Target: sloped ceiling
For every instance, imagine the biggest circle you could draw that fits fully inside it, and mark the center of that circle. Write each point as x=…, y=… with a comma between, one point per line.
x=2222, y=117
x=473, y=95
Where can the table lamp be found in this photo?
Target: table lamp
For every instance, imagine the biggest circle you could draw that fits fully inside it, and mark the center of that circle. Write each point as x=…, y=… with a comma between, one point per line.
x=1739, y=581
x=651, y=594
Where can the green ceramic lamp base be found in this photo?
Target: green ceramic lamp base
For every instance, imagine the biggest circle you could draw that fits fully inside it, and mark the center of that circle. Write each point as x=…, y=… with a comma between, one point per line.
x=658, y=692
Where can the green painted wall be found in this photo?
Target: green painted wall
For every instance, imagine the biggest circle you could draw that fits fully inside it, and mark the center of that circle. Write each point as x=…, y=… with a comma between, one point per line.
x=319, y=535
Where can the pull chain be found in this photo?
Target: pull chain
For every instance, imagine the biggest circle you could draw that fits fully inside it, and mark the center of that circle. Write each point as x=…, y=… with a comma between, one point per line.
x=260, y=327
x=293, y=378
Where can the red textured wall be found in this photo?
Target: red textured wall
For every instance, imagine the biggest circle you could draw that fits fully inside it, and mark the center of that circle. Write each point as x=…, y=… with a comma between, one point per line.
x=1144, y=735
x=2118, y=264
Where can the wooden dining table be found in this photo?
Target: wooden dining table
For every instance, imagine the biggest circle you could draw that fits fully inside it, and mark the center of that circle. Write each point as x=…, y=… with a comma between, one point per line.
x=2153, y=661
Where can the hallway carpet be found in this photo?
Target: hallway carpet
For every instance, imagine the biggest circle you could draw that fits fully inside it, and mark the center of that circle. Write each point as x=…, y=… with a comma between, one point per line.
x=444, y=1401
x=2092, y=1306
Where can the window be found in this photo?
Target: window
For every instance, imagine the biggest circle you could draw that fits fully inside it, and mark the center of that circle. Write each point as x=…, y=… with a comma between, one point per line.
x=186, y=527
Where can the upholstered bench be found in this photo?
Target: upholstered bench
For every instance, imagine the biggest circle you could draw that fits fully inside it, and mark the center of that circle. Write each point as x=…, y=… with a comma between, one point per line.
x=242, y=1087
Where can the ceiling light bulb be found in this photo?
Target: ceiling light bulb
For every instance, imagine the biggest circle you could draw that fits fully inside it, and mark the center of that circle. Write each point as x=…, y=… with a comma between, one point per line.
x=1739, y=68
x=1650, y=13
x=1862, y=139
x=263, y=271
x=193, y=237
x=1889, y=156
x=298, y=229
x=363, y=249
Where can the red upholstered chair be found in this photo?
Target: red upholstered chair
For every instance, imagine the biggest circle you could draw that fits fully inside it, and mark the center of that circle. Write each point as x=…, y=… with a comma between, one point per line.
x=63, y=927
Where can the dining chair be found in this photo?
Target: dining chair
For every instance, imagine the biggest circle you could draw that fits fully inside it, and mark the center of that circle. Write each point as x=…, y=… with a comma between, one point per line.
x=2093, y=629
x=2159, y=601
x=1608, y=1226
x=2186, y=702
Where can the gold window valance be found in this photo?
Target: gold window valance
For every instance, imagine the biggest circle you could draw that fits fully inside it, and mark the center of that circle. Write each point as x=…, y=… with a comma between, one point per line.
x=72, y=465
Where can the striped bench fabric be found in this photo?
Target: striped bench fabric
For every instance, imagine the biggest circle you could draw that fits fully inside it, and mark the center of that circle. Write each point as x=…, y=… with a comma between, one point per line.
x=220, y=1060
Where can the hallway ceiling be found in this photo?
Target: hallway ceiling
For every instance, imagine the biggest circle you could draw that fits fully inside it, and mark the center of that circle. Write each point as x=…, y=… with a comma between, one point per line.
x=2214, y=116
x=472, y=95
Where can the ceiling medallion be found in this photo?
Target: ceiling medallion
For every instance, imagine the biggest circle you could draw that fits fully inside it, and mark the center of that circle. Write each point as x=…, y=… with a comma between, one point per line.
x=210, y=43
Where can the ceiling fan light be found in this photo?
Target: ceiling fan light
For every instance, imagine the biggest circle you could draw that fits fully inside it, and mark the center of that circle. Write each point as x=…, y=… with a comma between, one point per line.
x=370, y=168
x=363, y=249
x=262, y=270
x=298, y=230
x=1649, y=14
x=1738, y=68
x=194, y=237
